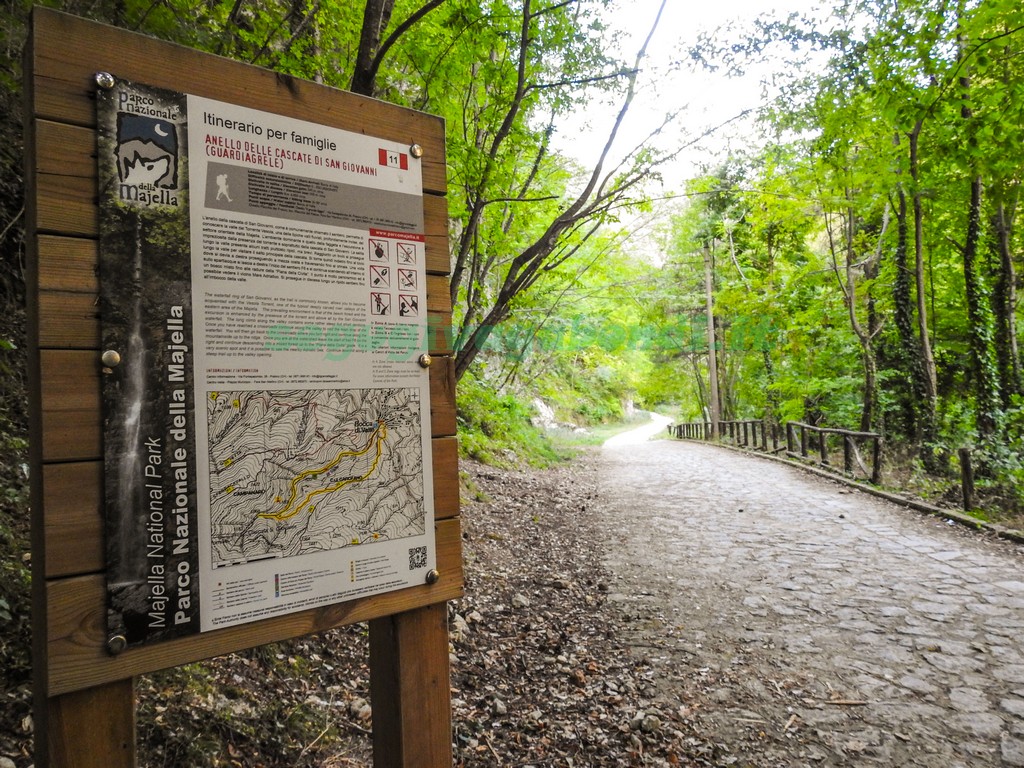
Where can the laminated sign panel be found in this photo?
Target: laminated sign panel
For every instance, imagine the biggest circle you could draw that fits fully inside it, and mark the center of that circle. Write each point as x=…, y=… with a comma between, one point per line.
x=243, y=410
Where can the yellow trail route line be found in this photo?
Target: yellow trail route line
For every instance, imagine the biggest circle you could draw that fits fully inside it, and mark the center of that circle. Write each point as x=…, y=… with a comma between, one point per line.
x=377, y=438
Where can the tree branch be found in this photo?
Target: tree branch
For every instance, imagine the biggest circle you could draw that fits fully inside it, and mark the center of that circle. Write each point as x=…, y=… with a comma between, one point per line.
x=401, y=29
x=581, y=80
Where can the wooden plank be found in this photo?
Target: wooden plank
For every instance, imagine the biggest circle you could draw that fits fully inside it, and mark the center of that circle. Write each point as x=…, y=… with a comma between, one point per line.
x=442, y=397
x=76, y=615
x=445, y=459
x=73, y=497
x=66, y=150
x=409, y=687
x=69, y=264
x=435, y=225
x=72, y=418
x=66, y=205
x=65, y=75
x=69, y=320
x=93, y=728
x=439, y=303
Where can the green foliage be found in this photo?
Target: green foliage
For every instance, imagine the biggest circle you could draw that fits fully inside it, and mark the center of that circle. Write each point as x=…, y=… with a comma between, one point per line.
x=496, y=429
x=888, y=140
x=583, y=343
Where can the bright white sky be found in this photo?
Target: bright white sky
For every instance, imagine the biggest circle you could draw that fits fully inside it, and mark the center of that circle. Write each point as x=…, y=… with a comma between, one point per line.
x=709, y=99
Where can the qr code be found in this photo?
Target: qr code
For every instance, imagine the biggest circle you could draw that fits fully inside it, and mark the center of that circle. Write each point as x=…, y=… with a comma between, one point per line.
x=417, y=558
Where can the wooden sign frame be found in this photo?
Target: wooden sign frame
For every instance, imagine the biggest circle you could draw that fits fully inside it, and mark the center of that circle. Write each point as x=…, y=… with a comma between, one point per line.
x=84, y=695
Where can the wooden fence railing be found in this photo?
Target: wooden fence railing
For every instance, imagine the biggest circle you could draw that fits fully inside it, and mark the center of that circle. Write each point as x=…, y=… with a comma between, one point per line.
x=745, y=433
x=819, y=445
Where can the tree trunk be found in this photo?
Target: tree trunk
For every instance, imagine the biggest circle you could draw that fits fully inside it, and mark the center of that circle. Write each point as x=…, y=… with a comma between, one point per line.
x=979, y=317
x=376, y=15
x=848, y=285
x=869, y=409
x=702, y=396
x=1004, y=302
x=565, y=233
x=926, y=408
x=873, y=416
x=979, y=321
x=771, y=392
x=712, y=355
x=915, y=392
x=924, y=334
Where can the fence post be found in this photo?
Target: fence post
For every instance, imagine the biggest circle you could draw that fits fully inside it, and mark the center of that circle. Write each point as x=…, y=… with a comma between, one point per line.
x=94, y=728
x=790, y=438
x=823, y=447
x=876, y=462
x=409, y=687
x=803, y=441
x=847, y=453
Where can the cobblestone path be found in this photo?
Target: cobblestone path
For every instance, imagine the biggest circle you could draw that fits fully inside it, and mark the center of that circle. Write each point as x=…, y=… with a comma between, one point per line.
x=803, y=623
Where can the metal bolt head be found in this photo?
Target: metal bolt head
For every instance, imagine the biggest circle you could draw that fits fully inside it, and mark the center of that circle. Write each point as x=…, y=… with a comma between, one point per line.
x=432, y=576
x=105, y=80
x=425, y=360
x=416, y=150
x=116, y=644
x=111, y=358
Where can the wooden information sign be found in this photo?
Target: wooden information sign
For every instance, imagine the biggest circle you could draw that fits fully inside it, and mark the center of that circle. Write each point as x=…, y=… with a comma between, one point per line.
x=91, y=636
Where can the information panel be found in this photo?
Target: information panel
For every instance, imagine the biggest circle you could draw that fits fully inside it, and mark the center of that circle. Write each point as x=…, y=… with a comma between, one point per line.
x=266, y=413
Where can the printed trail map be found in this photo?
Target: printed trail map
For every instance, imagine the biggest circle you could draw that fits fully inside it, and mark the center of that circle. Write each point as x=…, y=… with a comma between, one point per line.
x=296, y=472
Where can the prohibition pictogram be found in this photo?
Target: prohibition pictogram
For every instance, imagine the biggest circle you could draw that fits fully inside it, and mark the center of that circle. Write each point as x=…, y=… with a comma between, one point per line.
x=407, y=279
x=408, y=306
x=380, y=303
x=380, y=276
x=406, y=253
x=379, y=250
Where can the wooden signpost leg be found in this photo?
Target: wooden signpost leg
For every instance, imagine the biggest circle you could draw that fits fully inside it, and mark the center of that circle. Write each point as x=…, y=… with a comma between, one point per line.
x=409, y=689
x=92, y=728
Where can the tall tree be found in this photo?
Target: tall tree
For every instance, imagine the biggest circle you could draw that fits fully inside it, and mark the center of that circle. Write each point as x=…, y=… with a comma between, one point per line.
x=489, y=279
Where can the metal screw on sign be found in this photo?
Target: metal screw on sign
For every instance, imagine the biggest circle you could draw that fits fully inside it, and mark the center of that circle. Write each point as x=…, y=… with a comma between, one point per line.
x=416, y=150
x=111, y=358
x=425, y=360
x=116, y=644
x=433, y=576
x=105, y=80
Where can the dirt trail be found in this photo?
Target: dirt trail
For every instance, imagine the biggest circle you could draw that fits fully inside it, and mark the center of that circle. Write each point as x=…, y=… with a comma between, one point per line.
x=800, y=623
